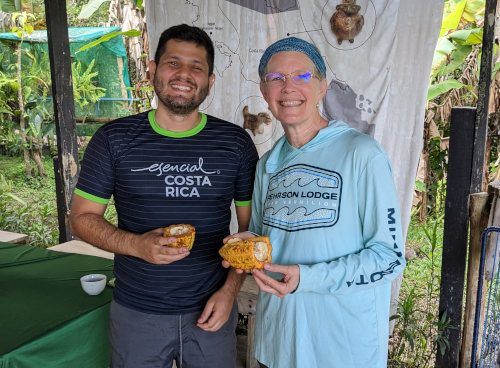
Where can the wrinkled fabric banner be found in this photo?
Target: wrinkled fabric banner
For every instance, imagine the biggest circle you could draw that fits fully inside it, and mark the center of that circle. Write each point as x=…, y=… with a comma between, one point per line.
x=378, y=56
x=378, y=78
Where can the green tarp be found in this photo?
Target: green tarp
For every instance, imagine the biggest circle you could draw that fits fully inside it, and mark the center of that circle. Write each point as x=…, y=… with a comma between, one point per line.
x=46, y=318
x=105, y=55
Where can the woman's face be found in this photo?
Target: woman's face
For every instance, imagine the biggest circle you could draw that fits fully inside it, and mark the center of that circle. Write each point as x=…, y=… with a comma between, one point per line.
x=290, y=102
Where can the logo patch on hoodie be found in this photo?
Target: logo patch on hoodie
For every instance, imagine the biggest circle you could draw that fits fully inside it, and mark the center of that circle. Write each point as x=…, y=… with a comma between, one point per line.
x=303, y=197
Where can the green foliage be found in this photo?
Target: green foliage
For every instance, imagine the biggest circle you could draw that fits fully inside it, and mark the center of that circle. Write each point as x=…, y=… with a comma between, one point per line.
x=23, y=24
x=9, y=139
x=109, y=36
x=459, y=32
x=84, y=89
x=94, y=6
x=495, y=70
x=36, y=86
x=87, y=130
x=6, y=196
x=438, y=167
x=110, y=213
x=8, y=87
x=419, y=330
x=458, y=55
x=34, y=80
x=10, y=6
x=98, y=18
x=472, y=36
x=90, y=8
x=34, y=77
x=452, y=20
x=453, y=82
x=19, y=212
x=443, y=87
x=419, y=185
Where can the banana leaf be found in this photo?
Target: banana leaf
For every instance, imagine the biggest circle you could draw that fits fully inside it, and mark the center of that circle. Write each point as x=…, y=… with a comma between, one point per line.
x=438, y=89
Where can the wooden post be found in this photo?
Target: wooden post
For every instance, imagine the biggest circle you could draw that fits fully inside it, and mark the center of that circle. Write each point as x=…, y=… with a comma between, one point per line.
x=455, y=229
x=478, y=179
x=494, y=190
x=251, y=362
x=483, y=97
x=492, y=253
x=66, y=164
x=479, y=216
x=247, y=303
x=494, y=221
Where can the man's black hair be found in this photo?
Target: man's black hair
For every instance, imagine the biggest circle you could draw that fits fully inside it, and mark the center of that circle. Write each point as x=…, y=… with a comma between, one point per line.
x=183, y=32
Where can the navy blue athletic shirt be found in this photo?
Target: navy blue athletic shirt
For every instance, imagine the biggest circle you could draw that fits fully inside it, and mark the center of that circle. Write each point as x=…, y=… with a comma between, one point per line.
x=158, y=178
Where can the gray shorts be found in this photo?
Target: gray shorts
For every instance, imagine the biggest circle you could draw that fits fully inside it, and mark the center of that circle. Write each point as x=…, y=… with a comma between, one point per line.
x=141, y=340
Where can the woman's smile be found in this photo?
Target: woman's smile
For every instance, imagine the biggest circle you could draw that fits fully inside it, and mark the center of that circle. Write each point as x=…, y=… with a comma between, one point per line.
x=290, y=103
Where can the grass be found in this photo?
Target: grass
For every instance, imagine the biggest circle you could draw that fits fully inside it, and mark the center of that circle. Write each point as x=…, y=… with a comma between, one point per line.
x=28, y=205
x=43, y=189
x=417, y=332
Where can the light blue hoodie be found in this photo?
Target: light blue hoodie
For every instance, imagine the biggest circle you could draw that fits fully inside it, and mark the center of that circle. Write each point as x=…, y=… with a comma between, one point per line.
x=331, y=207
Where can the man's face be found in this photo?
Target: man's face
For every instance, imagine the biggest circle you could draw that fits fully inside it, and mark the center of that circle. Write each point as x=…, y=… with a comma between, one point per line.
x=180, y=77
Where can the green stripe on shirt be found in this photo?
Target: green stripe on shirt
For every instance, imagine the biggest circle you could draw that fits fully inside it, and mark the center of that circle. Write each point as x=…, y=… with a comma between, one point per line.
x=243, y=203
x=91, y=197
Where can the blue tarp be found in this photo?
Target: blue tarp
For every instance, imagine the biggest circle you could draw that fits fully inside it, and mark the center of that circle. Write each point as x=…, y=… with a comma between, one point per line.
x=79, y=34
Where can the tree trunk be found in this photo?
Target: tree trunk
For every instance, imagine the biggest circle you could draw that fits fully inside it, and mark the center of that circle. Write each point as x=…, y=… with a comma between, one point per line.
x=37, y=147
x=22, y=123
x=37, y=156
x=36, y=153
x=422, y=214
x=127, y=16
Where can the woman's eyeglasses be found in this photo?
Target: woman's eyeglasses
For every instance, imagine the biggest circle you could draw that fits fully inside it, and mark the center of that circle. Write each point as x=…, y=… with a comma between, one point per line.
x=278, y=79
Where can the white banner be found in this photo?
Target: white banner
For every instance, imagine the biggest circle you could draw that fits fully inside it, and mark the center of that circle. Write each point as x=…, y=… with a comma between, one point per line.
x=378, y=55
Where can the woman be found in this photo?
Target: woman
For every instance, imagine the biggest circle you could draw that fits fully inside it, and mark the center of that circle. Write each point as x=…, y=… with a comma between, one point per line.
x=325, y=196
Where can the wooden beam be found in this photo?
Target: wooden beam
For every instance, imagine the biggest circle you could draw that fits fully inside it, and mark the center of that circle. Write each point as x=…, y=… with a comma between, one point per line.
x=66, y=164
x=481, y=130
x=479, y=216
x=455, y=229
x=465, y=175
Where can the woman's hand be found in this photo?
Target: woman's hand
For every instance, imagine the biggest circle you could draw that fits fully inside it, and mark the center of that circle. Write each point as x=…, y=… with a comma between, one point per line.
x=244, y=235
x=288, y=284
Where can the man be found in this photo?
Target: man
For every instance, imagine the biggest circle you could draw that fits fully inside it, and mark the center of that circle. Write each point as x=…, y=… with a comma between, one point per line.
x=171, y=165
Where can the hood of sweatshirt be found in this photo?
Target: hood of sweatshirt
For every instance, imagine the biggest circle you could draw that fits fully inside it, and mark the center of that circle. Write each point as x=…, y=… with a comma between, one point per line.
x=283, y=154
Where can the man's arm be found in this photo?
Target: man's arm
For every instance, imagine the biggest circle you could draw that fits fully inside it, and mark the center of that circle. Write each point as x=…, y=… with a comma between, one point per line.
x=243, y=215
x=87, y=222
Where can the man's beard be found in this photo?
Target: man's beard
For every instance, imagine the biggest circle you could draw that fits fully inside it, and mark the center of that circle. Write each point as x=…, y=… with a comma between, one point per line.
x=177, y=105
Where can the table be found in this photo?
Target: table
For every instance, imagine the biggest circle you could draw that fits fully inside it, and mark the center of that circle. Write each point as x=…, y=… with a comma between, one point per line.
x=10, y=237
x=46, y=319
x=246, y=298
x=81, y=247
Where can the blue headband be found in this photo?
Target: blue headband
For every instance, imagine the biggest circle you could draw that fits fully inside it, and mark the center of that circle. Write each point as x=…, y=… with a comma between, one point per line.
x=292, y=44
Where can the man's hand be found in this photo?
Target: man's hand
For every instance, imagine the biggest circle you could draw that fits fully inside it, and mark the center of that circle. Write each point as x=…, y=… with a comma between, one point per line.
x=88, y=223
x=288, y=284
x=217, y=311
x=244, y=235
x=153, y=247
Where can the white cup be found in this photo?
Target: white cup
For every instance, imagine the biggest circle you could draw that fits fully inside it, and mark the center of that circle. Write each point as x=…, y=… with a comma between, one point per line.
x=93, y=284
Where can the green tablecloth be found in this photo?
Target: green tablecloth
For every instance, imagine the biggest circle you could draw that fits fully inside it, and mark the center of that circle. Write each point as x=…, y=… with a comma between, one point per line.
x=46, y=319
